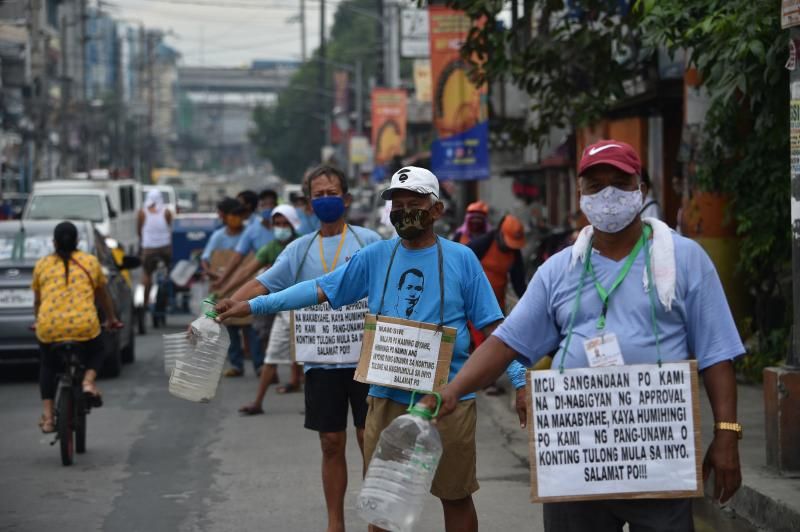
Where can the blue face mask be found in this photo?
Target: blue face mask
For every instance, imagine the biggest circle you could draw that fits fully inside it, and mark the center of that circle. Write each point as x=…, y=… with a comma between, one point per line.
x=328, y=209
x=266, y=214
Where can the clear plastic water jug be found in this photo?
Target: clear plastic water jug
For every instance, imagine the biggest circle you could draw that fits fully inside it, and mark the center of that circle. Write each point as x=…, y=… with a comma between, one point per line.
x=182, y=272
x=207, y=305
x=400, y=474
x=176, y=346
x=196, y=376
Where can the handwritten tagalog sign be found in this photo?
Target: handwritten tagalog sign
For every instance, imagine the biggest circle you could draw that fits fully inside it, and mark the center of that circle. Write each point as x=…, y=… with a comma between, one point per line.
x=620, y=432
x=325, y=336
x=405, y=354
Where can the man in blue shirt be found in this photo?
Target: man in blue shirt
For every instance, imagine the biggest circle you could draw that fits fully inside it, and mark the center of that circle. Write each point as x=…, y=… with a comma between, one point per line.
x=690, y=316
x=425, y=278
x=330, y=390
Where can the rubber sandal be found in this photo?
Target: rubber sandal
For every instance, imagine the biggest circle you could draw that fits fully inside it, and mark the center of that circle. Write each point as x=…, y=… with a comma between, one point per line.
x=93, y=397
x=48, y=425
x=288, y=388
x=251, y=410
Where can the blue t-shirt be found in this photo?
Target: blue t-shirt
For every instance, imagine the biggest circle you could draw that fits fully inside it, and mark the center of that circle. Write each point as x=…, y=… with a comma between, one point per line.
x=309, y=223
x=699, y=324
x=413, y=293
x=284, y=273
x=220, y=239
x=254, y=238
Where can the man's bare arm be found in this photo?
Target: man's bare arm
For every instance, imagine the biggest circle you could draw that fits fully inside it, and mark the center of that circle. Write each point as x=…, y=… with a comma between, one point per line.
x=723, y=454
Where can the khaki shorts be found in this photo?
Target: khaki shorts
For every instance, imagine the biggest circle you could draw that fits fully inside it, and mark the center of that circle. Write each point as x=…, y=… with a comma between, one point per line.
x=455, y=478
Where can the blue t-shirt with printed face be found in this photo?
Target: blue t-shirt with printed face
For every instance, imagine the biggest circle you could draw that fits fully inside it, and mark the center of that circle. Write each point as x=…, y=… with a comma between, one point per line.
x=305, y=251
x=413, y=292
x=254, y=238
x=220, y=239
x=699, y=324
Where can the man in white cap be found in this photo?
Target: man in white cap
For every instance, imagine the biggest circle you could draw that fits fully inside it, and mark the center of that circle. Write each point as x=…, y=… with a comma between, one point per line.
x=154, y=225
x=435, y=281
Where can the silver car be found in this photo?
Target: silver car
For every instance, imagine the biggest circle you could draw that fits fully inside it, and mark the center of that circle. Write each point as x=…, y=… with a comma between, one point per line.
x=21, y=245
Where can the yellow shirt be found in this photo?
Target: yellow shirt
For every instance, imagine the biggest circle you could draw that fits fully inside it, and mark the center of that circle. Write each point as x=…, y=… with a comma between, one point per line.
x=67, y=312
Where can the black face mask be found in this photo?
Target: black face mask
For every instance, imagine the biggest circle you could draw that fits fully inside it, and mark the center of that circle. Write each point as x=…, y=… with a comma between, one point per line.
x=410, y=224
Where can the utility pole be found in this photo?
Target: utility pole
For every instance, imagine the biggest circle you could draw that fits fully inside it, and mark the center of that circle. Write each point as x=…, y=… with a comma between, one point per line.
x=150, y=37
x=393, y=44
x=303, y=30
x=324, y=111
x=359, y=74
x=37, y=77
x=65, y=100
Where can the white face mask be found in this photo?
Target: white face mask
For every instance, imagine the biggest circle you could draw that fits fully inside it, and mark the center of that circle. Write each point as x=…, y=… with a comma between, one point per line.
x=611, y=210
x=282, y=233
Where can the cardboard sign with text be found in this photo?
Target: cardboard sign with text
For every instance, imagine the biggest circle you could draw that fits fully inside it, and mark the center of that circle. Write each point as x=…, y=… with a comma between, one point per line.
x=405, y=354
x=322, y=335
x=218, y=265
x=619, y=432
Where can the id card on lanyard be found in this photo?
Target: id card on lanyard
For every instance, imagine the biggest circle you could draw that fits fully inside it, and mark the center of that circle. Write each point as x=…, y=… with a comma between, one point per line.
x=406, y=354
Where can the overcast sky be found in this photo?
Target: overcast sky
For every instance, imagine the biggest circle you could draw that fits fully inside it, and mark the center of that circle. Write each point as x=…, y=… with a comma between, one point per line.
x=227, y=32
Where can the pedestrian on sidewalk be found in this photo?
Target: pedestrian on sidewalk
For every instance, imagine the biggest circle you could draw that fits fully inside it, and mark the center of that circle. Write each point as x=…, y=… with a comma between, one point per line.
x=330, y=390
x=501, y=260
x=422, y=277
x=476, y=223
x=690, y=317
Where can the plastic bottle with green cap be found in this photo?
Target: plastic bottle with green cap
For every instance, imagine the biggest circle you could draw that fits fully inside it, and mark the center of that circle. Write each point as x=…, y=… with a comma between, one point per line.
x=196, y=375
x=402, y=468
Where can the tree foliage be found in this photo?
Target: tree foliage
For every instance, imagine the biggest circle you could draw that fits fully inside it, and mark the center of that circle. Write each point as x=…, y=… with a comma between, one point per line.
x=739, y=50
x=290, y=133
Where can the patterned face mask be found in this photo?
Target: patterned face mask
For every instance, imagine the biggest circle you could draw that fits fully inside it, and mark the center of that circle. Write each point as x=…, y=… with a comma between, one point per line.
x=612, y=209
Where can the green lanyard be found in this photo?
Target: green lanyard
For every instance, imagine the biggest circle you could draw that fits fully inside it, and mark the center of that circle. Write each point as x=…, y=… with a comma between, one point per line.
x=642, y=243
x=606, y=295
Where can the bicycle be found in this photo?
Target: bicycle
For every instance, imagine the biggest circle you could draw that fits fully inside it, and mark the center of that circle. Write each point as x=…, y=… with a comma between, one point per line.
x=72, y=404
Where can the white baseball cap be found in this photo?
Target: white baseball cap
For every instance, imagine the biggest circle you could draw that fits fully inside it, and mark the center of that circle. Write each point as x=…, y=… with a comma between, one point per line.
x=413, y=179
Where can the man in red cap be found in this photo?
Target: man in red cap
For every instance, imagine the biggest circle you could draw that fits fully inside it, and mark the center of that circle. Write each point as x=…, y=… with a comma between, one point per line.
x=475, y=224
x=593, y=293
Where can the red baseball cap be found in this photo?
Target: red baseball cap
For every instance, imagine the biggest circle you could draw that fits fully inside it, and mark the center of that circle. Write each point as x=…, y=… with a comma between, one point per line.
x=614, y=152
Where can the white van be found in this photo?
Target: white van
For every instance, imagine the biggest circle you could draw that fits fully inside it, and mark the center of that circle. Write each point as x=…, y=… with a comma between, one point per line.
x=110, y=204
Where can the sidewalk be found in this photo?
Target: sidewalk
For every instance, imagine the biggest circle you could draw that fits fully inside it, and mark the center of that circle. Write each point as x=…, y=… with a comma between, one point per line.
x=766, y=501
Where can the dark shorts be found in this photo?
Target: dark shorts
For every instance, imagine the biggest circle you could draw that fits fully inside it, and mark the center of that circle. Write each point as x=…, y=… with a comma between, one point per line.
x=642, y=515
x=92, y=356
x=151, y=257
x=329, y=393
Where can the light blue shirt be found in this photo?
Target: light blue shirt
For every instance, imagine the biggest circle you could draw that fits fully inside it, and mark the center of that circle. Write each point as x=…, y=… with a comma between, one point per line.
x=255, y=237
x=284, y=272
x=413, y=293
x=309, y=223
x=699, y=324
x=220, y=239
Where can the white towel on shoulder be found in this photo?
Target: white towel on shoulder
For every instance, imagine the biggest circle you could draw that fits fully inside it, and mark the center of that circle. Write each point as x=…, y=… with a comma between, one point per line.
x=662, y=258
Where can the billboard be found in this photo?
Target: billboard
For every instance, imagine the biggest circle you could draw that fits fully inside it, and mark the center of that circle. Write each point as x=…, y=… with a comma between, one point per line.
x=460, y=108
x=389, y=113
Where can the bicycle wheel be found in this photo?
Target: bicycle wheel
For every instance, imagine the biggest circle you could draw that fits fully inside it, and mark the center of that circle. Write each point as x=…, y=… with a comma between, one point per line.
x=80, y=423
x=65, y=411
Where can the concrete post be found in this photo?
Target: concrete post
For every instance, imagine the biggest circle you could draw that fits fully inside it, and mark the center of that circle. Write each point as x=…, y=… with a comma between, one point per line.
x=782, y=384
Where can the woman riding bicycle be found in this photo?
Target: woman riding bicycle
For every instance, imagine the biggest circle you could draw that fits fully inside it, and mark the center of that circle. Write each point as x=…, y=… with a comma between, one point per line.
x=66, y=285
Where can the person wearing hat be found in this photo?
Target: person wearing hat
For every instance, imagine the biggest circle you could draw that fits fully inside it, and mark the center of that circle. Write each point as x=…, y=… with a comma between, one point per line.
x=476, y=223
x=422, y=277
x=501, y=259
x=678, y=313
x=154, y=227
x=330, y=391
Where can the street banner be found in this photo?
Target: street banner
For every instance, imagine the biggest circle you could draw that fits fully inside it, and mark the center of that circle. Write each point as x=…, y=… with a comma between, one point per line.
x=389, y=114
x=360, y=150
x=617, y=432
x=322, y=335
x=460, y=108
x=405, y=354
x=422, y=80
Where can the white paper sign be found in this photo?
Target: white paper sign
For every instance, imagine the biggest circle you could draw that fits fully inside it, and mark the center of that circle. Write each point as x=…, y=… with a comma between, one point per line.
x=322, y=335
x=614, y=430
x=404, y=356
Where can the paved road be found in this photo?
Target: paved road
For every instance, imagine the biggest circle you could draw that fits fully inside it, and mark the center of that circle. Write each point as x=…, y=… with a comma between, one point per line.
x=156, y=463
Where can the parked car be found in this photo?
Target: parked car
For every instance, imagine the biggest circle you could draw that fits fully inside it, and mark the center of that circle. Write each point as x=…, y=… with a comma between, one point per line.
x=21, y=245
x=112, y=205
